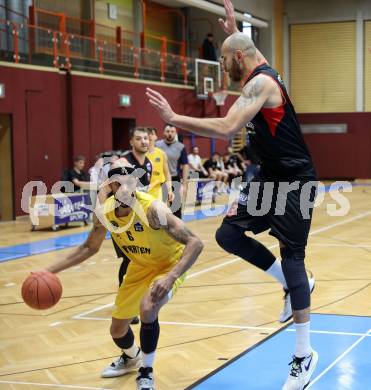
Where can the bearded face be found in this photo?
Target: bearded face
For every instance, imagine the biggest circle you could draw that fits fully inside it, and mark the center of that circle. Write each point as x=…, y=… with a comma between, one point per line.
x=232, y=67
x=235, y=72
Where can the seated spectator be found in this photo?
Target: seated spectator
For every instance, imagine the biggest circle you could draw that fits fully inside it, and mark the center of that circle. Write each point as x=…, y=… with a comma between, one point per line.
x=77, y=176
x=195, y=164
x=215, y=168
x=250, y=160
x=232, y=164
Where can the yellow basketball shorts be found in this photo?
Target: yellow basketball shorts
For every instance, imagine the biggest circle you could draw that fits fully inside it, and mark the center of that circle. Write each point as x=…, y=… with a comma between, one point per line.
x=156, y=191
x=136, y=283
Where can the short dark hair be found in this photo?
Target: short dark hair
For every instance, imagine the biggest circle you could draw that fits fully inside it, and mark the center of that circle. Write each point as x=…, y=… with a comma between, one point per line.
x=210, y=35
x=168, y=124
x=79, y=157
x=152, y=130
x=137, y=128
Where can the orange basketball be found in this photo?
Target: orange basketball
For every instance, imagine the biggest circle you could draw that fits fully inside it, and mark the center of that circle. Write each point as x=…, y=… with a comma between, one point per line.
x=41, y=290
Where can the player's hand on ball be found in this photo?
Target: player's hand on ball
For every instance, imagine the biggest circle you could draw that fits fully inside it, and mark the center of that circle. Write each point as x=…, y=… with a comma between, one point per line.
x=161, y=104
x=41, y=290
x=40, y=272
x=161, y=288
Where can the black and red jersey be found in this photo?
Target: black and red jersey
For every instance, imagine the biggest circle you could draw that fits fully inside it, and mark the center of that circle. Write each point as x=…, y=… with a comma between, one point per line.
x=275, y=136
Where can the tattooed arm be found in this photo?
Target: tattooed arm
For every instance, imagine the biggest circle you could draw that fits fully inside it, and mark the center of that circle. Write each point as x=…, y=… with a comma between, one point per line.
x=254, y=95
x=84, y=251
x=160, y=217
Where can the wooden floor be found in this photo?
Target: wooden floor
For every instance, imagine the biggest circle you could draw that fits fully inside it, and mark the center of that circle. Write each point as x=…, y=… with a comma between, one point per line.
x=70, y=344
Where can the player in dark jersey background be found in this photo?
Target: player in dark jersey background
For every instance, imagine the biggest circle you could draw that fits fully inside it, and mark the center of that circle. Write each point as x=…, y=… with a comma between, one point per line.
x=287, y=179
x=139, y=141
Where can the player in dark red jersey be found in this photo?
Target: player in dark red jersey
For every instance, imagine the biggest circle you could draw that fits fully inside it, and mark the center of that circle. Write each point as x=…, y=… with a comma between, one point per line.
x=281, y=197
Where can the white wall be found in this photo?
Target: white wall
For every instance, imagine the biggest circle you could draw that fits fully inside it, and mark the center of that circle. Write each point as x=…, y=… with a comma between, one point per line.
x=303, y=11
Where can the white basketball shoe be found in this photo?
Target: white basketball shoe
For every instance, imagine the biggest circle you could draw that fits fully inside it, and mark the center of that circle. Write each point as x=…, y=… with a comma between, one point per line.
x=122, y=366
x=301, y=371
x=145, y=379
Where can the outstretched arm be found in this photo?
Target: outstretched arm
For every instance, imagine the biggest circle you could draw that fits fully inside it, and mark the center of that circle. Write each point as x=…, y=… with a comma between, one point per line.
x=254, y=95
x=84, y=251
x=160, y=217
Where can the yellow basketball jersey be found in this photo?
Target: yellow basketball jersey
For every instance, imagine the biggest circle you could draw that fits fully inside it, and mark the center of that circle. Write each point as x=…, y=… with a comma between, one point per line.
x=157, y=158
x=139, y=242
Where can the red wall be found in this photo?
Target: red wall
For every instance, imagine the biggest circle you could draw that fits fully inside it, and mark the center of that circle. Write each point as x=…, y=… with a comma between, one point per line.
x=60, y=116
x=36, y=101
x=345, y=155
x=55, y=117
x=84, y=89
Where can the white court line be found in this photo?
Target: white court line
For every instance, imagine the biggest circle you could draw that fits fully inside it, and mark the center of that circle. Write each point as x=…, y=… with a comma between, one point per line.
x=54, y=385
x=317, y=378
x=260, y=328
x=231, y=261
x=55, y=323
x=82, y=315
x=226, y=326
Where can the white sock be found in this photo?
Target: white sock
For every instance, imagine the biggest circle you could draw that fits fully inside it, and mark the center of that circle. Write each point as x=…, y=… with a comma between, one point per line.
x=275, y=270
x=133, y=351
x=302, y=347
x=148, y=359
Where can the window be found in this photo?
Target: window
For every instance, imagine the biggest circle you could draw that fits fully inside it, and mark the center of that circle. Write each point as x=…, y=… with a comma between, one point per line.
x=247, y=27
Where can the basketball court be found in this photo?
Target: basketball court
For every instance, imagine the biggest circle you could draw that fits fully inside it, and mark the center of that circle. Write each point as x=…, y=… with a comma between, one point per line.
x=73, y=78
x=219, y=331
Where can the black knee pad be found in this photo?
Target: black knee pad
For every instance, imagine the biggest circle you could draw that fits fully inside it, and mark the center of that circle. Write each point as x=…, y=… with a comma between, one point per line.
x=227, y=235
x=149, y=335
x=125, y=341
x=233, y=240
x=293, y=268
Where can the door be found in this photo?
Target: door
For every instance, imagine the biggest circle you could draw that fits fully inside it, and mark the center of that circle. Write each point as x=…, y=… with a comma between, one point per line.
x=6, y=169
x=120, y=133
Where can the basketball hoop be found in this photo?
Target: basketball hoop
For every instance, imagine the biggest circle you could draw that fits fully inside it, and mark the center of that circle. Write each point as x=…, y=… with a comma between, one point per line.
x=220, y=97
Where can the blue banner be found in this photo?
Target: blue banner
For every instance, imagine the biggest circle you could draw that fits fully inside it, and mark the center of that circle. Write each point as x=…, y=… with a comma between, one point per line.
x=71, y=209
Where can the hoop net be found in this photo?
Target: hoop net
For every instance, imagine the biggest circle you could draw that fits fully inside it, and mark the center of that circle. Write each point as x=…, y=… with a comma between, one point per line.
x=220, y=97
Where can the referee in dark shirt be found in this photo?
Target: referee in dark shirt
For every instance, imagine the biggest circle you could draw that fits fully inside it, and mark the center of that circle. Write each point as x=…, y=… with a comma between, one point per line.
x=178, y=165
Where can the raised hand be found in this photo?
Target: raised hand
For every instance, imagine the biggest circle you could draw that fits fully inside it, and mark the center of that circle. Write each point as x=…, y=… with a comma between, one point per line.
x=161, y=104
x=229, y=24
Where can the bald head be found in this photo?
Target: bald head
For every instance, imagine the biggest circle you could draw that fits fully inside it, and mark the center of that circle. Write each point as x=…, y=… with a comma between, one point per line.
x=240, y=41
x=239, y=55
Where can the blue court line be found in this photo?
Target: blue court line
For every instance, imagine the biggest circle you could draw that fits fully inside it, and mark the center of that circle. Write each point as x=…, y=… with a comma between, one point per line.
x=14, y=252
x=265, y=366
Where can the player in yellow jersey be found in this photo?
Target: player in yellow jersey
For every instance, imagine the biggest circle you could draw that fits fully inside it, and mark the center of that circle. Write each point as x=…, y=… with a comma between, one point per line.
x=160, y=169
x=160, y=248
